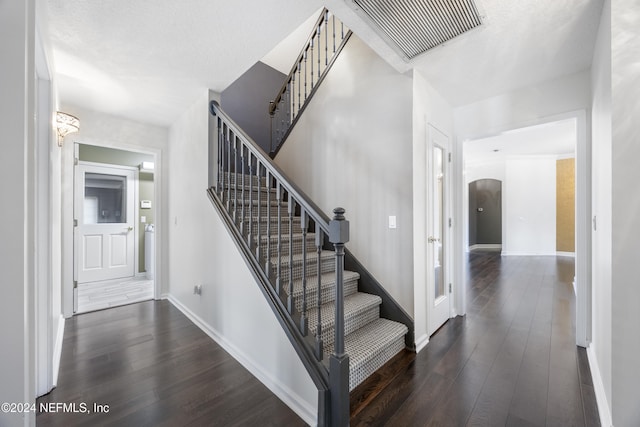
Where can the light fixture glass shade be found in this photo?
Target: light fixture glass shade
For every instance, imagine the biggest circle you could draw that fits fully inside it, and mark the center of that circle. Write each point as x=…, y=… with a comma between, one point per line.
x=66, y=124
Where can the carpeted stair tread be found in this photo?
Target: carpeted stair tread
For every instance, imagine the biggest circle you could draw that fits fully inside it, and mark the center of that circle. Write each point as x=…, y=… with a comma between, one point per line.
x=370, y=347
x=359, y=309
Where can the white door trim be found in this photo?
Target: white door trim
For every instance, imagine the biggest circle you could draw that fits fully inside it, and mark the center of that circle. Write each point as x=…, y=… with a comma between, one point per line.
x=67, y=216
x=420, y=242
x=434, y=323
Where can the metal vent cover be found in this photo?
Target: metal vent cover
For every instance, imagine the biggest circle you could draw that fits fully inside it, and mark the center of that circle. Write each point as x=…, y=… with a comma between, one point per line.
x=415, y=26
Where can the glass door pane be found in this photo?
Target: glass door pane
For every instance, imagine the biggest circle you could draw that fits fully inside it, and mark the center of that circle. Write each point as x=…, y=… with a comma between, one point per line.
x=105, y=199
x=438, y=216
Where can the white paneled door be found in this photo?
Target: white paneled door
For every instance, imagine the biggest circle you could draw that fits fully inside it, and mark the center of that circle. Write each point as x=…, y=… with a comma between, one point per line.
x=104, y=214
x=438, y=226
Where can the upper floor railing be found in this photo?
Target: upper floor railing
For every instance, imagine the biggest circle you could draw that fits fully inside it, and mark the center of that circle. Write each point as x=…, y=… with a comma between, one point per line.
x=328, y=37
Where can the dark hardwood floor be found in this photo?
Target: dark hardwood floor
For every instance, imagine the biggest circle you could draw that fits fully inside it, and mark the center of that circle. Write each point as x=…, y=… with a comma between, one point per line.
x=511, y=361
x=153, y=367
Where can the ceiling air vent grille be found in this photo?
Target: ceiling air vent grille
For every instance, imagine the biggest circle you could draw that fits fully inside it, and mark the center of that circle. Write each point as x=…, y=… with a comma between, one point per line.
x=415, y=26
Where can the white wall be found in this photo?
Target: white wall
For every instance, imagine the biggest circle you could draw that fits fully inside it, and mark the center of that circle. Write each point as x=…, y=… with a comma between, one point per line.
x=105, y=130
x=428, y=108
x=526, y=106
x=600, y=348
x=352, y=148
x=17, y=228
x=625, y=206
x=529, y=201
x=231, y=308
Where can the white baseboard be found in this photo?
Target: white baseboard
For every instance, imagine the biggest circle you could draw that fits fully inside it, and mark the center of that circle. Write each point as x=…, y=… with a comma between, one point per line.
x=288, y=396
x=601, y=397
x=421, y=342
x=57, y=351
x=517, y=253
x=569, y=254
x=493, y=246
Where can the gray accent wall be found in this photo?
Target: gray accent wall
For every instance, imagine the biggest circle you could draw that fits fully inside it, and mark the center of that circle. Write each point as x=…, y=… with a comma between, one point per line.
x=352, y=147
x=247, y=99
x=485, y=212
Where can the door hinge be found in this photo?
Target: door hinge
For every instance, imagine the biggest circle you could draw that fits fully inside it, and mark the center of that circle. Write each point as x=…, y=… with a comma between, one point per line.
x=450, y=222
x=75, y=284
x=449, y=287
x=75, y=222
x=449, y=157
x=75, y=161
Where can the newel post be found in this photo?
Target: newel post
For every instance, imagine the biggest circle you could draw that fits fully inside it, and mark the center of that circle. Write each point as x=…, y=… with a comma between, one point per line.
x=339, y=360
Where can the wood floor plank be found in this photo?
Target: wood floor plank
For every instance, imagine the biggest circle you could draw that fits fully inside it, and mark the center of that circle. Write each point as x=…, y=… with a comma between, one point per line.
x=153, y=367
x=512, y=360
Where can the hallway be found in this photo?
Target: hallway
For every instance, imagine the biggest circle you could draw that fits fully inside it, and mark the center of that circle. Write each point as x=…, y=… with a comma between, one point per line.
x=512, y=360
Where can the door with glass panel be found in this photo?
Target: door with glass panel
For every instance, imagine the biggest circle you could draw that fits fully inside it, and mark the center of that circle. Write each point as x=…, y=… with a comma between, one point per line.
x=104, y=214
x=438, y=226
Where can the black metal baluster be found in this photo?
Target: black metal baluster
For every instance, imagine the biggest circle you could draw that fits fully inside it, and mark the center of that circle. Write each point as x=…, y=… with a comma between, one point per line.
x=311, y=49
x=258, y=241
x=250, y=234
x=305, y=75
x=228, y=143
x=333, y=19
x=278, y=261
x=242, y=216
x=319, y=243
x=299, y=86
x=235, y=180
x=319, y=50
x=267, y=263
x=291, y=206
x=326, y=38
x=220, y=181
x=294, y=112
x=304, y=224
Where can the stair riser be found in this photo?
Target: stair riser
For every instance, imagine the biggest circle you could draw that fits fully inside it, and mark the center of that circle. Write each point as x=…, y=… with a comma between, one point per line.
x=284, y=230
x=327, y=294
x=250, y=211
x=231, y=179
x=284, y=251
x=350, y=324
x=327, y=265
x=251, y=195
x=359, y=374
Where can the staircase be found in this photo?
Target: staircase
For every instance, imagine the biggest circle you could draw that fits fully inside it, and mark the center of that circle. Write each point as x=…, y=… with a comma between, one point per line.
x=342, y=323
x=297, y=256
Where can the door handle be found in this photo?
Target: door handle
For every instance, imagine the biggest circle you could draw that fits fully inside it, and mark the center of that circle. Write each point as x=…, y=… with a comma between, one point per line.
x=129, y=228
x=433, y=239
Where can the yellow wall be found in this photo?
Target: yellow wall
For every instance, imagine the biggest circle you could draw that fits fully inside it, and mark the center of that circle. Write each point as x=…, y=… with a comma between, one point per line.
x=565, y=205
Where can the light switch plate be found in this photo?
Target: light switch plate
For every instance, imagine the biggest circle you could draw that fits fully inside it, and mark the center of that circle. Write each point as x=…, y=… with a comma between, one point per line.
x=143, y=219
x=392, y=221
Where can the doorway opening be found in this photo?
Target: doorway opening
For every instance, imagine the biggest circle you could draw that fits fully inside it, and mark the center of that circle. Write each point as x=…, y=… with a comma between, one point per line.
x=485, y=215
x=114, y=228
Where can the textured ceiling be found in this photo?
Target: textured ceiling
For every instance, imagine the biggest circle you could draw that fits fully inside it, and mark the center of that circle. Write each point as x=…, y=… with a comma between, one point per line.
x=150, y=59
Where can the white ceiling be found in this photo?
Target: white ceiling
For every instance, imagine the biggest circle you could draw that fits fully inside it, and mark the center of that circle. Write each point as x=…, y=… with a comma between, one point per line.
x=149, y=60
x=555, y=138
